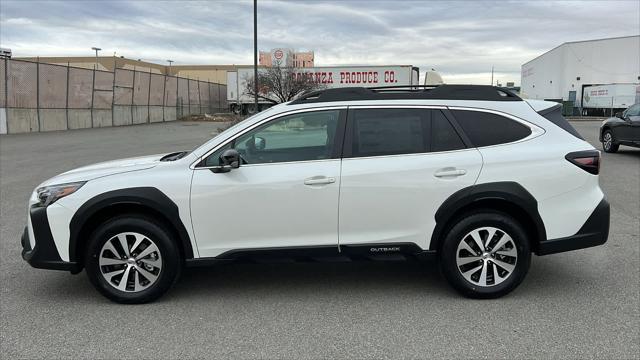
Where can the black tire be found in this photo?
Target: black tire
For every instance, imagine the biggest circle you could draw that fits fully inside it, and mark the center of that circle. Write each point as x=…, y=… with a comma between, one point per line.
x=609, y=147
x=171, y=263
x=473, y=221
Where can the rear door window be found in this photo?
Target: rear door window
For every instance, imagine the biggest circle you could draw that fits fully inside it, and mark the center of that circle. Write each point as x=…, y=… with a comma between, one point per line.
x=485, y=129
x=378, y=132
x=443, y=136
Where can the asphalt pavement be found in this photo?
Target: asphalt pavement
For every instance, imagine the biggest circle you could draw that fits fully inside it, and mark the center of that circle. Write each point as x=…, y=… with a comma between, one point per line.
x=582, y=304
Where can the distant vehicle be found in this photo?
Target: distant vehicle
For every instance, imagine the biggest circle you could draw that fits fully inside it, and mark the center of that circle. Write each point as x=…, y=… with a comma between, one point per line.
x=622, y=129
x=329, y=77
x=339, y=174
x=606, y=100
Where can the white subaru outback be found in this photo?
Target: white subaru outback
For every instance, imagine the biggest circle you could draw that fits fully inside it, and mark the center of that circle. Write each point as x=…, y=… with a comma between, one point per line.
x=472, y=175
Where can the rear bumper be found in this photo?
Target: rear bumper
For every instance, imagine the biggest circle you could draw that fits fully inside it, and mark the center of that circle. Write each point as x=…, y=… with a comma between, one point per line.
x=594, y=232
x=44, y=254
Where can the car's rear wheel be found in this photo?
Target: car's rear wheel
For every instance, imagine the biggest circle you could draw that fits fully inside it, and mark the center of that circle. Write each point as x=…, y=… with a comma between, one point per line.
x=485, y=255
x=608, y=143
x=132, y=259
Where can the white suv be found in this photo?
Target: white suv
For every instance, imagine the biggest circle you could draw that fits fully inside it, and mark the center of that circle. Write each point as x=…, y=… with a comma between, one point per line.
x=472, y=175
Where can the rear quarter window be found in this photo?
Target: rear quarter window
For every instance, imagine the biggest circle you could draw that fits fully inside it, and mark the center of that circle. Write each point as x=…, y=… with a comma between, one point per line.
x=554, y=115
x=486, y=129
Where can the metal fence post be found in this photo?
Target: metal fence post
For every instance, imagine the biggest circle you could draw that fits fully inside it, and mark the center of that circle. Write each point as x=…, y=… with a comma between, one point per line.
x=149, y=99
x=133, y=91
x=199, y=99
x=177, y=92
x=189, y=94
x=66, y=98
x=38, y=94
x=164, y=95
x=220, y=97
x=113, y=95
x=6, y=91
x=93, y=92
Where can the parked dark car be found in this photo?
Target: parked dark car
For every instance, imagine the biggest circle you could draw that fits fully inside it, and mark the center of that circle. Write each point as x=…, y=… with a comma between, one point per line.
x=623, y=129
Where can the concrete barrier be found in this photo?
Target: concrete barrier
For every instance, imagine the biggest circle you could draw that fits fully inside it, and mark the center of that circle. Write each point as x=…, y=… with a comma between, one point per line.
x=122, y=115
x=140, y=114
x=155, y=114
x=53, y=119
x=169, y=113
x=3, y=121
x=22, y=120
x=79, y=118
x=101, y=118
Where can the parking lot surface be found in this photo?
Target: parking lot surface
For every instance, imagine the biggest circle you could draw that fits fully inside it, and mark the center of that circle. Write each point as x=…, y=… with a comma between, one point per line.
x=582, y=304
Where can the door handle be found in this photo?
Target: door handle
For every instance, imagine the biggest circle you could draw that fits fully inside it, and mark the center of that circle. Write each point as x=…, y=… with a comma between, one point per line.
x=319, y=180
x=452, y=172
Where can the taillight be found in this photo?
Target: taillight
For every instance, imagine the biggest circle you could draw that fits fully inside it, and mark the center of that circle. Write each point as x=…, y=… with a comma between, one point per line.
x=588, y=160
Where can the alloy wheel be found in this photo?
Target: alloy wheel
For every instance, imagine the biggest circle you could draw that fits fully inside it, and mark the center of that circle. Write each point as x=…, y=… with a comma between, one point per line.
x=608, y=140
x=486, y=256
x=130, y=262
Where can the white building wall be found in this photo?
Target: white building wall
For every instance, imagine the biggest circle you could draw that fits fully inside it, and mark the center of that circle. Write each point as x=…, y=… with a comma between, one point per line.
x=554, y=74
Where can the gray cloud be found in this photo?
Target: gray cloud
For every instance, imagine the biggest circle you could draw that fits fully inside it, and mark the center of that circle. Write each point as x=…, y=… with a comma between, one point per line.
x=461, y=39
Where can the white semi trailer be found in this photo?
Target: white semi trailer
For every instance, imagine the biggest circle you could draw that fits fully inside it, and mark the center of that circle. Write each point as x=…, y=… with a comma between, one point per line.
x=330, y=77
x=605, y=100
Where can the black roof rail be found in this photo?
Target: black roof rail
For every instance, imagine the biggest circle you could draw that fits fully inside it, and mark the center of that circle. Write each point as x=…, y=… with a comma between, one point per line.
x=409, y=92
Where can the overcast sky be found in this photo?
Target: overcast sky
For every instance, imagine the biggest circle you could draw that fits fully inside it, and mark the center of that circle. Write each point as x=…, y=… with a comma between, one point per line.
x=460, y=39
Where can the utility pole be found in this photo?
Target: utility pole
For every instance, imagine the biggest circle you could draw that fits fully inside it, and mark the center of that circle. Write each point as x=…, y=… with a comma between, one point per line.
x=255, y=53
x=96, y=49
x=169, y=61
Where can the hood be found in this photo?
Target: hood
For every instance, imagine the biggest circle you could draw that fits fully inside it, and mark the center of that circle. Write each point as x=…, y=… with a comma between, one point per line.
x=106, y=168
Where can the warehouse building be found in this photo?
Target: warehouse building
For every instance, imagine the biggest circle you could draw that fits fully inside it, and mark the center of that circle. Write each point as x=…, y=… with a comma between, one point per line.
x=565, y=72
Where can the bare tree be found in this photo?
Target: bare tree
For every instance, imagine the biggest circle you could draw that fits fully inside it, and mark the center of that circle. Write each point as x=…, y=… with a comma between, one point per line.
x=278, y=84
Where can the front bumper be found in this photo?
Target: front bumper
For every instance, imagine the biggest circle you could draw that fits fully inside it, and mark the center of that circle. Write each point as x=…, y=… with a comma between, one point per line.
x=594, y=232
x=44, y=254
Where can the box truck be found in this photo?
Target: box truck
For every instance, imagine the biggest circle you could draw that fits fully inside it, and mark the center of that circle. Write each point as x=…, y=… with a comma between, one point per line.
x=329, y=77
x=605, y=100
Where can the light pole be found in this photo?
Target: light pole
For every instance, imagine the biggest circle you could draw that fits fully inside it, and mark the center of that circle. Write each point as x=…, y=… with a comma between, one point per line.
x=255, y=52
x=169, y=61
x=96, y=50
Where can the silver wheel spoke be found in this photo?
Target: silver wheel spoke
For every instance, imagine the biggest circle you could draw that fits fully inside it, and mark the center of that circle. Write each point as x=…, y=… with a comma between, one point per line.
x=151, y=248
x=466, y=260
x=139, y=239
x=483, y=275
x=130, y=266
x=475, y=235
x=503, y=240
x=136, y=282
x=109, y=276
x=125, y=278
x=109, y=261
x=492, y=232
x=466, y=246
x=504, y=265
x=511, y=252
x=147, y=274
x=109, y=246
x=123, y=242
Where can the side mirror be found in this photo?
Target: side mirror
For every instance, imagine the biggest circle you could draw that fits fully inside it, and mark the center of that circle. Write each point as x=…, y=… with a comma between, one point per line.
x=618, y=114
x=229, y=159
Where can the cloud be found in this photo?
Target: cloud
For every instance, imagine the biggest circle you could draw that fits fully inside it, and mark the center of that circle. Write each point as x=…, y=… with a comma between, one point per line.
x=460, y=39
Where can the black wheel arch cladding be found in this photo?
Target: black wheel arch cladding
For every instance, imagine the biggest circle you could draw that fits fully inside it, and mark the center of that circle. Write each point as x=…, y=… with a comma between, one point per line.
x=505, y=192
x=147, y=197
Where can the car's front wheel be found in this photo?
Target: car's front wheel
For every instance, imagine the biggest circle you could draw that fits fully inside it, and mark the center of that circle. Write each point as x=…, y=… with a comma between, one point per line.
x=608, y=143
x=132, y=259
x=485, y=254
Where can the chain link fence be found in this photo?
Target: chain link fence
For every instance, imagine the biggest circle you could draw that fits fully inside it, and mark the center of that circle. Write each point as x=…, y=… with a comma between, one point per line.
x=45, y=97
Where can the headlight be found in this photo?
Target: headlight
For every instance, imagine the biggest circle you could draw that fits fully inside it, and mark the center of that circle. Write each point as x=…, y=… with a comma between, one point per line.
x=47, y=195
